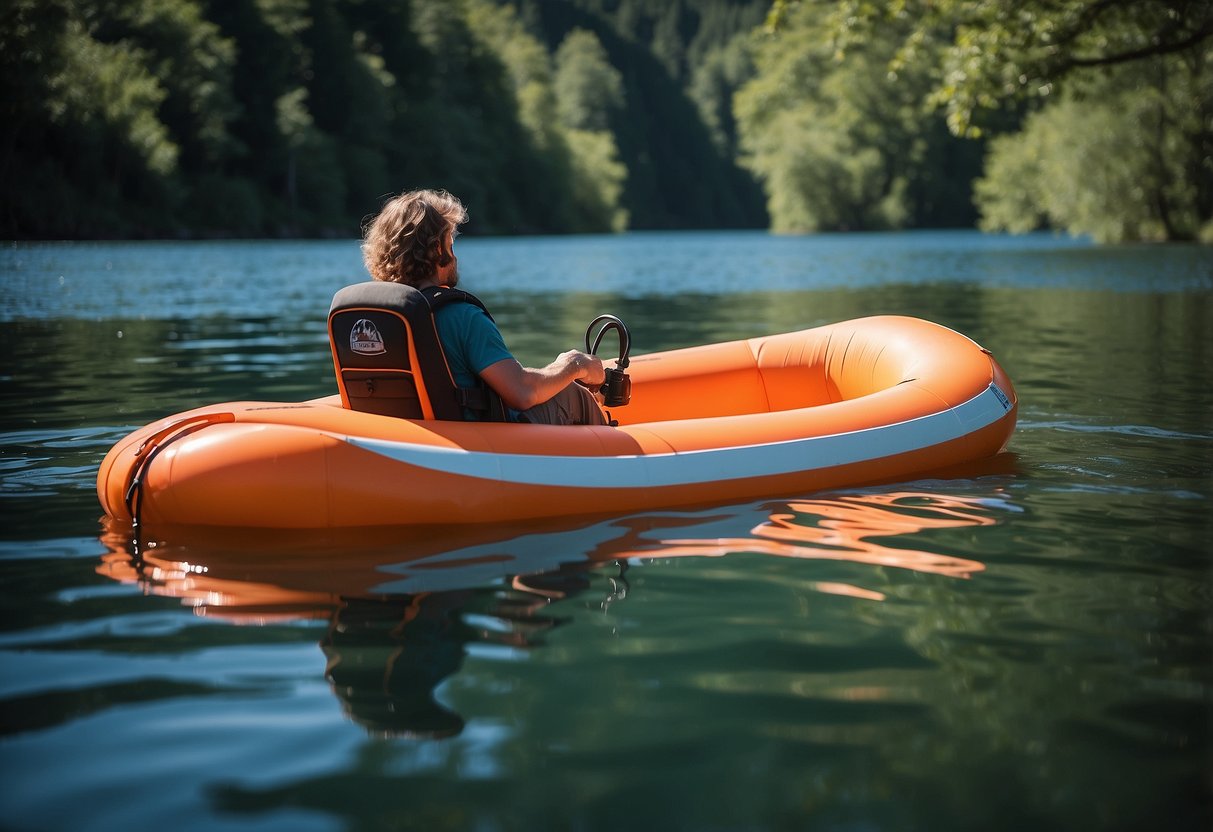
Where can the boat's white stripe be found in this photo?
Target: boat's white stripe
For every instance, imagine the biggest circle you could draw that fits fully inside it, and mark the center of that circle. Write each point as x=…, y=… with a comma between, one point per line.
x=714, y=465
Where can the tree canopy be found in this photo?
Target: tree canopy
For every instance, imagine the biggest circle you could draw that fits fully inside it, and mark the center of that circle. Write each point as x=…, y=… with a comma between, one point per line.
x=840, y=146
x=296, y=117
x=1101, y=110
x=154, y=118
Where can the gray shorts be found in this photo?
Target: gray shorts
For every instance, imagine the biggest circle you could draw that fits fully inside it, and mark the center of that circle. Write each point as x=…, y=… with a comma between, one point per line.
x=574, y=405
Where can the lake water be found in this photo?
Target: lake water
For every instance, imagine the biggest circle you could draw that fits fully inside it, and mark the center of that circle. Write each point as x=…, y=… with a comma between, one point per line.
x=1028, y=645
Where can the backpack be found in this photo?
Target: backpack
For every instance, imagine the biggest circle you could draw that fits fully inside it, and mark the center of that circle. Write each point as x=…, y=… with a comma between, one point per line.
x=389, y=359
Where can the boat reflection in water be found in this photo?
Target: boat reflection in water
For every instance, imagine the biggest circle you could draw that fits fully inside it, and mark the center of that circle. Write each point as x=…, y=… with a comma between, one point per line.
x=402, y=611
x=850, y=528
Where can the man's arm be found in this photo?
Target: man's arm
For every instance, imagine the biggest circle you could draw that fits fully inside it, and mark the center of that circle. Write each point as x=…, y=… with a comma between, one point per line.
x=521, y=388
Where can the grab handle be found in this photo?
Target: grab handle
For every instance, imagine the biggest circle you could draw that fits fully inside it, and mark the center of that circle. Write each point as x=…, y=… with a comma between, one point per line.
x=617, y=388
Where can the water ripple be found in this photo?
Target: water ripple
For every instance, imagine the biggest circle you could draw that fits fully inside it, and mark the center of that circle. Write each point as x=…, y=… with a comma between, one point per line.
x=1149, y=431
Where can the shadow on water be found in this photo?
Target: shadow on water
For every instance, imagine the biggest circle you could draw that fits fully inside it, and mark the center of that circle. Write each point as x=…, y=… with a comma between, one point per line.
x=403, y=607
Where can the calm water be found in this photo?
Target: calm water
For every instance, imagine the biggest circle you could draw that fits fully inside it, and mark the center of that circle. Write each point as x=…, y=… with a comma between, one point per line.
x=1029, y=645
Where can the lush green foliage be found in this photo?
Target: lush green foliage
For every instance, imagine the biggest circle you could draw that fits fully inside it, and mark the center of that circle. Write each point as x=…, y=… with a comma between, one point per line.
x=1124, y=158
x=1115, y=99
x=255, y=117
x=681, y=168
x=841, y=145
x=589, y=92
x=288, y=117
x=989, y=51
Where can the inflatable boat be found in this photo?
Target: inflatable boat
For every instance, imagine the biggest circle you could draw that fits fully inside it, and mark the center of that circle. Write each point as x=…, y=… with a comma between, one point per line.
x=878, y=399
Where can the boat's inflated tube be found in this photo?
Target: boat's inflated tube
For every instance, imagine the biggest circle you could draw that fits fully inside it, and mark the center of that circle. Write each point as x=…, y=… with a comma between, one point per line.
x=875, y=399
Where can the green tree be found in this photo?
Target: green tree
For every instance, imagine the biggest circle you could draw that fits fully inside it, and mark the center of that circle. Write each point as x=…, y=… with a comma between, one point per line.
x=588, y=88
x=714, y=80
x=589, y=92
x=677, y=175
x=349, y=97
x=842, y=144
x=669, y=40
x=1123, y=158
x=83, y=138
x=1119, y=122
x=529, y=69
x=191, y=61
x=990, y=52
x=294, y=117
x=564, y=103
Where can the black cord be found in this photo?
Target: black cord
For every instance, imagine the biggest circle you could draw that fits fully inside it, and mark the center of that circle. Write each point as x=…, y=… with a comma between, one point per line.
x=152, y=446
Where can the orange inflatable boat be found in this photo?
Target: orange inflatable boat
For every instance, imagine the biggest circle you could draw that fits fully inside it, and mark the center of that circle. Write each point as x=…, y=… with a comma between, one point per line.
x=871, y=400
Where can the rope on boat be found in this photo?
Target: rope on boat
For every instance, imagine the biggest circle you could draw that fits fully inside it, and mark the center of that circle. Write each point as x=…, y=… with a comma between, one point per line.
x=149, y=449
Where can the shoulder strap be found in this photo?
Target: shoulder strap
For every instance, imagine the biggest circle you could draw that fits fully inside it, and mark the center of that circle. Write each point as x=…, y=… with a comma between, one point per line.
x=481, y=398
x=440, y=296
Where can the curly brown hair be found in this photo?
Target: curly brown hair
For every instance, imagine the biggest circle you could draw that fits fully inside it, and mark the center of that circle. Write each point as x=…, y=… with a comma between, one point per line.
x=410, y=238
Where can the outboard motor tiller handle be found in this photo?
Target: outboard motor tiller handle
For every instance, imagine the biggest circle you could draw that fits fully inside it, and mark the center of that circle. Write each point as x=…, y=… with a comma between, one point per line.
x=617, y=388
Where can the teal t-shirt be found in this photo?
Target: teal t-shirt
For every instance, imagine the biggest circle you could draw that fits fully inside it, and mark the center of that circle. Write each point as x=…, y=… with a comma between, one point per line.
x=470, y=340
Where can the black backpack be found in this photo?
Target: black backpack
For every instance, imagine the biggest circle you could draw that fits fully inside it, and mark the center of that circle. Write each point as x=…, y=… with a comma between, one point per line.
x=389, y=359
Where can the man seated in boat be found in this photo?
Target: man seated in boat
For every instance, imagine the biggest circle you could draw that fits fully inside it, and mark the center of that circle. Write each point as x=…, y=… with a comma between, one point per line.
x=411, y=241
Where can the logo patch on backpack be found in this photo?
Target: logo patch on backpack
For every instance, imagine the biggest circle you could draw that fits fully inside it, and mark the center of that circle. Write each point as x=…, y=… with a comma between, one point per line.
x=365, y=338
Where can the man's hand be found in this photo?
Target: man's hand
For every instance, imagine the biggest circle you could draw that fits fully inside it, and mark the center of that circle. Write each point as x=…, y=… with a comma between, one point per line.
x=589, y=367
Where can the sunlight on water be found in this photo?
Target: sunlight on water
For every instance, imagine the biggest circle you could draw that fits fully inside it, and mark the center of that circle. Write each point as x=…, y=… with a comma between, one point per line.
x=844, y=528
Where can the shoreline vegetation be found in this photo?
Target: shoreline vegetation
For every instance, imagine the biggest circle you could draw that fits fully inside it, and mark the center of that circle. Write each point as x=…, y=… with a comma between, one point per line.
x=220, y=119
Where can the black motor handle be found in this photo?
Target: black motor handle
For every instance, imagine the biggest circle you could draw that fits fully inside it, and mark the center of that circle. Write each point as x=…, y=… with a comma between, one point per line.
x=617, y=388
